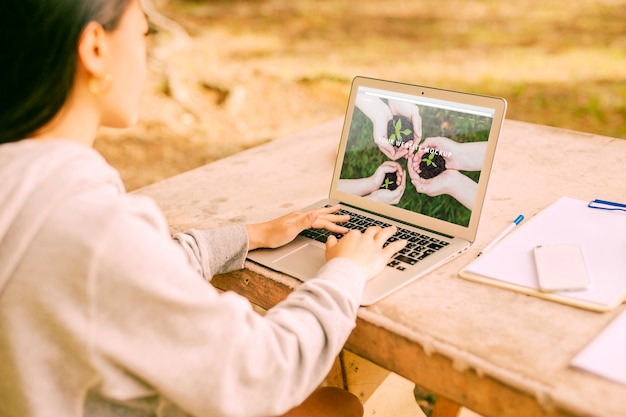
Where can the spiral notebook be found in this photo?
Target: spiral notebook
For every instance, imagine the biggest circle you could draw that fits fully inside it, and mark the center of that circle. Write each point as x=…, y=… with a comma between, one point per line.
x=601, y=235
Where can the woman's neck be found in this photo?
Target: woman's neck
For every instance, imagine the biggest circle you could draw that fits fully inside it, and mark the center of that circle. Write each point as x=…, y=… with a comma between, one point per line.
x=78, y=121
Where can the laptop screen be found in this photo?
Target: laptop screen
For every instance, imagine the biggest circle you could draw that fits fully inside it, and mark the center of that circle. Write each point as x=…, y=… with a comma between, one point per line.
x=420, y=153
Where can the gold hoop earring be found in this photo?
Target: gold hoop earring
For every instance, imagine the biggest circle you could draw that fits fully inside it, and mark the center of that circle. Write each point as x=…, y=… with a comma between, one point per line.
x=100, y=84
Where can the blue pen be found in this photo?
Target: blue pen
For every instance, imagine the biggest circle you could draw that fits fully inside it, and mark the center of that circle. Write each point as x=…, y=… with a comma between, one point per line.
x=505, y=232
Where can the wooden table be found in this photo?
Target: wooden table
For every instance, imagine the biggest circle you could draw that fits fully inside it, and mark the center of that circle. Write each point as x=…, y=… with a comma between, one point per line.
x=494, y=351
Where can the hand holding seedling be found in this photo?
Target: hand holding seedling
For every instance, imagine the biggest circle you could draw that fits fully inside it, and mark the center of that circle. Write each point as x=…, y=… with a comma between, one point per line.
x=370, y=187
x=379, y=175
x=386, y=192
x=282, y=230
x=411, y=112
x=380, y=114
x=365, y=248
x=386, y=142
x=444, y=146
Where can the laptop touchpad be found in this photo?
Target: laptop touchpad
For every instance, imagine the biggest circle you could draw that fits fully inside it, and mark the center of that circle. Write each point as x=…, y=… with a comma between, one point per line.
x=304, y=262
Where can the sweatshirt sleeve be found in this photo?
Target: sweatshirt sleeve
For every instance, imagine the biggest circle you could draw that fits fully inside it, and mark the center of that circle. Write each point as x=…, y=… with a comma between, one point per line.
x=215, y=251
x=159, y=327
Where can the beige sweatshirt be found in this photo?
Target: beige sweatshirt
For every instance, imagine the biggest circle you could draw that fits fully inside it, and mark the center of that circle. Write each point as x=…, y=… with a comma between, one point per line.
x=102, y=313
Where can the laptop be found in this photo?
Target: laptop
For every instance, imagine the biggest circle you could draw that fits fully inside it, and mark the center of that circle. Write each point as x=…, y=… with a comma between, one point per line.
x=411, y=156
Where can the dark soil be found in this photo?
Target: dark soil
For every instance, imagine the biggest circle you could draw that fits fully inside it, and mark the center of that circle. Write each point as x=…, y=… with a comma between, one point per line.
x=405, y=130
x=436, y=167
x=391, y=181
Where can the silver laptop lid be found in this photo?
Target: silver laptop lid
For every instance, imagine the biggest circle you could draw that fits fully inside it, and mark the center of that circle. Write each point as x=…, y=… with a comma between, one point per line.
x=418, y=154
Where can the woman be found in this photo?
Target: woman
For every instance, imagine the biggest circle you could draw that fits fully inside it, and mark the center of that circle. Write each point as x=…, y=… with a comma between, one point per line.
x=101, y=312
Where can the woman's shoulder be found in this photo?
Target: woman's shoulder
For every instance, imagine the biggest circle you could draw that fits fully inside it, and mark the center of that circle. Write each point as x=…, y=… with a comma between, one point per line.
x=67, y=186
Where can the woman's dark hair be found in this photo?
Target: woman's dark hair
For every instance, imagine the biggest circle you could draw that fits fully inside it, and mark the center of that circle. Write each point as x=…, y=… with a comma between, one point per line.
x=38, y=57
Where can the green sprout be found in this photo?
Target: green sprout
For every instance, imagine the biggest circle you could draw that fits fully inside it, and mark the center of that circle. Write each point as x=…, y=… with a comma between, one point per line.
x=396, y=137
x=387, y=183
x=429, y=161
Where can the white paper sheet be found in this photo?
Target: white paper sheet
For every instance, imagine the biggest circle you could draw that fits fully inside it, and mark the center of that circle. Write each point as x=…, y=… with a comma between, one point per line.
x=606, y=354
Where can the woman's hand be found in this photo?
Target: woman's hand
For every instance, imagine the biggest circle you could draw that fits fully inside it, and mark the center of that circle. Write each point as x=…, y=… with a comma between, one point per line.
x=387, y=167
x=365, y=248
x=385, y=195
x=450, y=182
x=283, y=230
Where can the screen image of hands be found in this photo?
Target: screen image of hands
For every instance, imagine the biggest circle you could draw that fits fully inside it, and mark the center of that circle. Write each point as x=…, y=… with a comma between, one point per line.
x=393, y=122
x=386, y=185
x=455, y=157
x=433, y=166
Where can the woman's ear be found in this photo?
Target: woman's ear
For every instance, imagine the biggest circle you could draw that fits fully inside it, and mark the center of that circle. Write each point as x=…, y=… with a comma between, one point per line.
x=92, y=48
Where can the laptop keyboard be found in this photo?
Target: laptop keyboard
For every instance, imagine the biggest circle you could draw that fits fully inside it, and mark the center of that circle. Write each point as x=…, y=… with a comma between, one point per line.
x=419, y=246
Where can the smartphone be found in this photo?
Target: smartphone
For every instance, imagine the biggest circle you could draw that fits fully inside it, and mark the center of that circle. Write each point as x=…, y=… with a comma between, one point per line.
x=560, y=267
